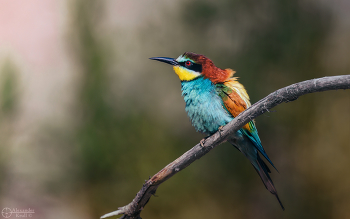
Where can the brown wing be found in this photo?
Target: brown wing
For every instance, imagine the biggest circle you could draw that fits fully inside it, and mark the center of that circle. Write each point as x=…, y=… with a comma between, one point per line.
x=235, y=98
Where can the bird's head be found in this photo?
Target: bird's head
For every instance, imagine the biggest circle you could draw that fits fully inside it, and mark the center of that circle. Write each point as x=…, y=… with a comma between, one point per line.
x=190, y=66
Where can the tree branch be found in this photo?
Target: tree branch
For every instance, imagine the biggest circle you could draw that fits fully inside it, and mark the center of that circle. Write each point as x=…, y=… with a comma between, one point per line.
x=286, y=94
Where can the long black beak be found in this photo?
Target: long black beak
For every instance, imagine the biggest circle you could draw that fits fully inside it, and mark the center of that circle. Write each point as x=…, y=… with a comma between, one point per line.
x=170, y=61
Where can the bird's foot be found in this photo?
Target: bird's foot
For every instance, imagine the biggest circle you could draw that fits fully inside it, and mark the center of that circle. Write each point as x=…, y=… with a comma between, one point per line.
x=220, y=129
x=203, y=141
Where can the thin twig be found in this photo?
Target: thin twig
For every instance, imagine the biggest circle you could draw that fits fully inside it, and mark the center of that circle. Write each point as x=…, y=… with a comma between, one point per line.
x=286, y=94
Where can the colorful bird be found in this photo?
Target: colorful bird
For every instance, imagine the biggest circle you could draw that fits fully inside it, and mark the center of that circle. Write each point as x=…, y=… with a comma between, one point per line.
x=213, y=98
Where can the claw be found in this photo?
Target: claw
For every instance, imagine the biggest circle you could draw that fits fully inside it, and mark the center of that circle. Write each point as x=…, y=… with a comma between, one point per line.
x=202, y=142
x=220, y=129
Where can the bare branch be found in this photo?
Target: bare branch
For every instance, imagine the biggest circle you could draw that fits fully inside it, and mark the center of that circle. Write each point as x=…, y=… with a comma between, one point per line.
x=286, y=94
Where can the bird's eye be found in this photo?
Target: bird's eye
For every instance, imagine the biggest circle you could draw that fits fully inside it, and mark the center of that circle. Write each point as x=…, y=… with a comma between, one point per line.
x=188, y=63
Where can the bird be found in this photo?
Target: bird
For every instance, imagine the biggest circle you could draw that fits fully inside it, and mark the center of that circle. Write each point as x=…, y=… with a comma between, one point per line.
x=214, y=97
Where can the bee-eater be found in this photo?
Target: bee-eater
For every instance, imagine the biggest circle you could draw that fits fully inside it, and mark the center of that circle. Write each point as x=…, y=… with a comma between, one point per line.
x=213, y=98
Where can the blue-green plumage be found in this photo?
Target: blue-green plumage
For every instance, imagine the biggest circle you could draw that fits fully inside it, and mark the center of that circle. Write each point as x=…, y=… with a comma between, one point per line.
x=204, y=106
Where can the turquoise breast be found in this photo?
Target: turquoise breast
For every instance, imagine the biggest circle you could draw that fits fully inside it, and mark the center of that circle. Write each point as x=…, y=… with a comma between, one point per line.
x=204, y=106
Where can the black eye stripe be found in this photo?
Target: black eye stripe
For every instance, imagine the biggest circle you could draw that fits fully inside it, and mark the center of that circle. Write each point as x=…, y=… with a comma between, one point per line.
x=194, y=67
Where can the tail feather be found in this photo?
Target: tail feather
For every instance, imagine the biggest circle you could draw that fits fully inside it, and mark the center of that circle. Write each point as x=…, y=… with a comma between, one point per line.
x=245, y=146
x=263, y=165
x=263, y=172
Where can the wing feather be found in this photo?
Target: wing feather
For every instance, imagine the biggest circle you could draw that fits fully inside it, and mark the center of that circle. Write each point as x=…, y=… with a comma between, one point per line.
x=236, y=100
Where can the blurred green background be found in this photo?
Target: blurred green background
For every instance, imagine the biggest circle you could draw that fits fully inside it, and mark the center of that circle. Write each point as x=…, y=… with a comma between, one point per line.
x=86, y=117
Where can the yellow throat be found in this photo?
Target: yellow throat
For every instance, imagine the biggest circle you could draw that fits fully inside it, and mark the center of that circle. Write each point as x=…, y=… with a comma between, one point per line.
x=185, y=74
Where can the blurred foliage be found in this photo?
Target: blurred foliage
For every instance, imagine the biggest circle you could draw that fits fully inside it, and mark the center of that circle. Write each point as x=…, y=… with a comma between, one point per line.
x=8, y=108
x=97, y=119
x=126, y=126
x=128, y=119
x=9, y=88
x=121, y=148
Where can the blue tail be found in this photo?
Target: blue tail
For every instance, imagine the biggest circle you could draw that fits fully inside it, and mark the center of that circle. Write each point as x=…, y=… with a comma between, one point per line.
x=254, y=137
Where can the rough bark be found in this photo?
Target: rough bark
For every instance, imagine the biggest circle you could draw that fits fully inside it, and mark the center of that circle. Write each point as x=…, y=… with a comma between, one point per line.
x=286, y=94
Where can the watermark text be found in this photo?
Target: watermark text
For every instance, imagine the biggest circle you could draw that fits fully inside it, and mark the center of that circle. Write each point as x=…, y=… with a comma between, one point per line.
x=21, y=213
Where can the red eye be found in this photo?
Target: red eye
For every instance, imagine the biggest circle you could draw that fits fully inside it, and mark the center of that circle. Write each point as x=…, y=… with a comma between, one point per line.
x=188, y=63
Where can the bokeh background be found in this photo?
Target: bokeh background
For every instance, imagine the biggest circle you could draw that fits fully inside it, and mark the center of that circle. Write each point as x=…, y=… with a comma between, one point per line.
x=86, y=117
